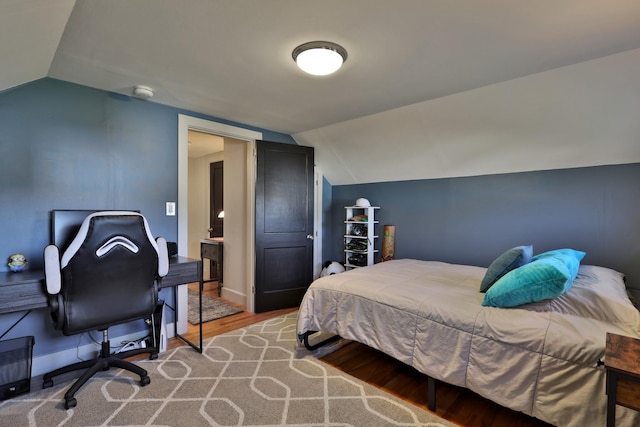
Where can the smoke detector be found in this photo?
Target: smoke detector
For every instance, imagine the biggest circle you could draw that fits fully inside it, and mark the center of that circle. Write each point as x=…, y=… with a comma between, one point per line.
x=142, y=92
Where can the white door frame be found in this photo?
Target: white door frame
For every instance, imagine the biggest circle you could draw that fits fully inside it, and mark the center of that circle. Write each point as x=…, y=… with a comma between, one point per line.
x=317, y=222
x=186, y=123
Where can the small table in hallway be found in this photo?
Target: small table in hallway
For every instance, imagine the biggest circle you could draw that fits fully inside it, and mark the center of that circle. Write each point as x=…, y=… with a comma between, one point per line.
x=212, y=248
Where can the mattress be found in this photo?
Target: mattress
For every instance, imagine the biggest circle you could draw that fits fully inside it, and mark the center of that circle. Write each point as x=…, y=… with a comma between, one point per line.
x=543, y=359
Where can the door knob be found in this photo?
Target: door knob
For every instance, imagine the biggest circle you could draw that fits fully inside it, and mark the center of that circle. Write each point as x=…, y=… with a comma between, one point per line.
x=209, y=229
x=309, y=237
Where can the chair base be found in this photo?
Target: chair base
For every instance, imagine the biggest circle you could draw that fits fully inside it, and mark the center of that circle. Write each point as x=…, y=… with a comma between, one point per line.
x=102, y=363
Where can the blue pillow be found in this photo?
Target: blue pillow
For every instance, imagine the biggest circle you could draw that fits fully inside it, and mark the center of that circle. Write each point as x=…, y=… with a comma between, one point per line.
x=544, y=278
x=509, y=260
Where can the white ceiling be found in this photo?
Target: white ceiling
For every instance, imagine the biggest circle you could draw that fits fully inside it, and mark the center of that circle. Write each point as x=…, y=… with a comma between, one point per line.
x=232, y=59
x=203, y=144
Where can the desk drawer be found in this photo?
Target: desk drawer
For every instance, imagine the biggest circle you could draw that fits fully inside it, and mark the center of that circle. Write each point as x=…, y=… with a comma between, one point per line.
x=628, y=393
x=210, y=251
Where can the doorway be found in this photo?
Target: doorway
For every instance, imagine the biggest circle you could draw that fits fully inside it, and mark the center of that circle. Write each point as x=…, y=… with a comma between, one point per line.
x=239, y=145
x=204, y=149
x=242, y=151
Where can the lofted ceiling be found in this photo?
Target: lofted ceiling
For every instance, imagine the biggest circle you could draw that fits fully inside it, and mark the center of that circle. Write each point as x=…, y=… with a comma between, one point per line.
x=232, y=59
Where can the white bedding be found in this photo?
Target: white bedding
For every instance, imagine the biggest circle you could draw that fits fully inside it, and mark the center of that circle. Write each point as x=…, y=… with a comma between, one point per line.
x=540, y=359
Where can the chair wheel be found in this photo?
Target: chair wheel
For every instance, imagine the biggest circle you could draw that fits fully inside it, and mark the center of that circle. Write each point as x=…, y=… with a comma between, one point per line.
x=153, y=356
x=145, y=381
x=70, y=403
x=47, y=383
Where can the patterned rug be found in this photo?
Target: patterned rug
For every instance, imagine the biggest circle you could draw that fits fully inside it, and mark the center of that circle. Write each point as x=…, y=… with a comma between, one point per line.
x=254, y=376
x=212, y=309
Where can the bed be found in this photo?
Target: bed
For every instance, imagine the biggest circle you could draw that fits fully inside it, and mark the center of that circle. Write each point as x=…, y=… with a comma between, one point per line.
x=542, y=358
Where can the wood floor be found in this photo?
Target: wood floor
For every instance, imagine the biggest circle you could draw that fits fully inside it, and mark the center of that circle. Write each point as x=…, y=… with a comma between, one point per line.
x=455, y=404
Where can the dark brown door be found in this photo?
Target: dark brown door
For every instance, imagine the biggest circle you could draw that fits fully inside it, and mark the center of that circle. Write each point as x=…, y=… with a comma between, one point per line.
x=216, y=177
x=216, y=224
x=284, y=225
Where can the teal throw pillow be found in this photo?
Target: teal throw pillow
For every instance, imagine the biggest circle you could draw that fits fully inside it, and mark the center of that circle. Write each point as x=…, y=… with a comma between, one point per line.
x=507, y=261
x=570, y=257
x=548, y=275
x=542, y=279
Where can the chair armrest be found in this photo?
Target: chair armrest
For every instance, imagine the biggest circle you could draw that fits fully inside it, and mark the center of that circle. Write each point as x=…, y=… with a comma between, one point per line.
x=52, y=276
x=163, y=257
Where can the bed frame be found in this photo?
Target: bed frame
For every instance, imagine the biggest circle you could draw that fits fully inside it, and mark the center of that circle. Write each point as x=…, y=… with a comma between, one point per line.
x=431, y=382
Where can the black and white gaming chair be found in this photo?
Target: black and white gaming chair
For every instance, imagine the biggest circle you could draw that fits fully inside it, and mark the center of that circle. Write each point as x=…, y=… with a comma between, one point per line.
x=108, y=275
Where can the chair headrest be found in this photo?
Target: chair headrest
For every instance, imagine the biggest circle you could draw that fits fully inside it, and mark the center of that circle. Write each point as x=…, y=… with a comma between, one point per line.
x=117, y=241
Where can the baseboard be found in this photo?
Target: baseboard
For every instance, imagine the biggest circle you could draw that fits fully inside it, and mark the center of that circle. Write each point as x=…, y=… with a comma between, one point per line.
x=234, y=296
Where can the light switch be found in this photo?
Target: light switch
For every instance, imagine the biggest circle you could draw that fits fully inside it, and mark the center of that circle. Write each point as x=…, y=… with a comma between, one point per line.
x=171, y=208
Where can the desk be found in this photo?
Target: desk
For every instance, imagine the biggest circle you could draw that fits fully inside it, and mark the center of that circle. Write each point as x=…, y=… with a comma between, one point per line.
x=212, y=249
x=623, y=374
x=22, y=291
x=26, y=290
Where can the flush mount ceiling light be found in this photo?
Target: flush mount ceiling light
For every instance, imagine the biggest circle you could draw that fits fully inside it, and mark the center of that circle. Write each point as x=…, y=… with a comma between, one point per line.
x=319, y=58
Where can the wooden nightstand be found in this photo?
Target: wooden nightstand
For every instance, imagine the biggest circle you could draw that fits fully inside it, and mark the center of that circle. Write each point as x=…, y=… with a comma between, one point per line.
x=622, y=361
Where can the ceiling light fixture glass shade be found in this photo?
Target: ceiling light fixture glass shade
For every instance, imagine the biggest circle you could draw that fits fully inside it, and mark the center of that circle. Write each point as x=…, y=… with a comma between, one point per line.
x=319, y=58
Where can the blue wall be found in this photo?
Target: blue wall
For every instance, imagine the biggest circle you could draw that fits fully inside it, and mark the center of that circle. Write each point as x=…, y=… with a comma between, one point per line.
x=472, y=220
x=66, y=146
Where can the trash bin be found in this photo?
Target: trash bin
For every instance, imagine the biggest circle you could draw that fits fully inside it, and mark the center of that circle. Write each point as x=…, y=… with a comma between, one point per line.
x=15, y=366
